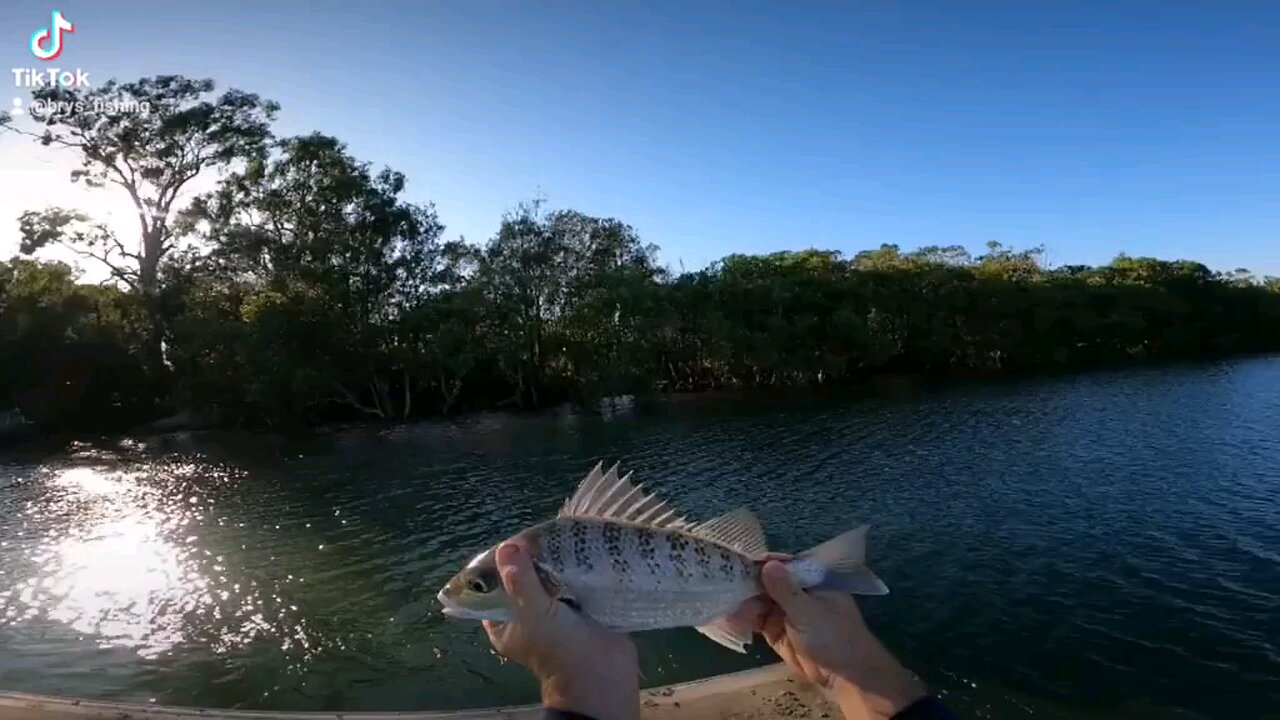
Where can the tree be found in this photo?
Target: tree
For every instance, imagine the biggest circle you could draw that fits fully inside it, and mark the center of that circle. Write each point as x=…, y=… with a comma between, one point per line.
x=331, y=260
x=70, y=354
x=570, y=294
x=522, y=276
x=313, y=290
x=612, y=308
x=151, y=138
x=83, y=236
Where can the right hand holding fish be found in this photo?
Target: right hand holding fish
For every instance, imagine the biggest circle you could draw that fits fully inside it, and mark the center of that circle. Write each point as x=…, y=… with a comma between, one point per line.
x=582, y=667
x=822, y=636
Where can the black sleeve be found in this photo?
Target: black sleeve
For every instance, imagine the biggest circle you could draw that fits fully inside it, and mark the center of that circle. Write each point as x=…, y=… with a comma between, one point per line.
x=554, y=714
x=928, y=707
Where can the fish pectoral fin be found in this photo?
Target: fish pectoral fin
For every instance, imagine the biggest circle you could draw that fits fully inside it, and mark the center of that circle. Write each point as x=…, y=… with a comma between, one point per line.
x=550, y=582
x=556, y=589
x=727, y=634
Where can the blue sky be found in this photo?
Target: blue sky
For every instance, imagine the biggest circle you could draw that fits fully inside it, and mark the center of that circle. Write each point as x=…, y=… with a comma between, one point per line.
x=1090, y=127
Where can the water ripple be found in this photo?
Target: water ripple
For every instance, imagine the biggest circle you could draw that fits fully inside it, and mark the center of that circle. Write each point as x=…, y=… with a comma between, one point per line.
x=1097, y=545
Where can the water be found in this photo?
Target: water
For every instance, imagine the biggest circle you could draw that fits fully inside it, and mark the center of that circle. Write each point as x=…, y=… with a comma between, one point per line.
x=1107, y=544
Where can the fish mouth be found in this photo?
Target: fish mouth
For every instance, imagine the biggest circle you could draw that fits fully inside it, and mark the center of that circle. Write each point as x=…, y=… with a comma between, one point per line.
x=456, y=611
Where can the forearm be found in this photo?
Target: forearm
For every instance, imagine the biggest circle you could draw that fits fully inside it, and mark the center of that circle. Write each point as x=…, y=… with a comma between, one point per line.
x=875, y=685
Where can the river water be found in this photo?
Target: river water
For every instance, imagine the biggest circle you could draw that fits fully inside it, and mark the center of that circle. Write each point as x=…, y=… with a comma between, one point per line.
x=1102, y=544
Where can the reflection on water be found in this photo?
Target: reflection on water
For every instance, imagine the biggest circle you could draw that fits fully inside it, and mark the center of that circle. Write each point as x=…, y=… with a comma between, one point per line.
x=117, y=559
x=109, y=569
x=1099, y=545
x=113, y=579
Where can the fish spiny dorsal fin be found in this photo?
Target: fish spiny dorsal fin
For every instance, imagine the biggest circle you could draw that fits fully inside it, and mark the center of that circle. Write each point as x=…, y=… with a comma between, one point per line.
x=605, y=495
x=577, y=503
x=738, y=529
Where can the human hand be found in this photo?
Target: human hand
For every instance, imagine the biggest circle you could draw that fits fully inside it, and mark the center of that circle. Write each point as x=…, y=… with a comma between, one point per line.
x=581, y=666
x=822, y=637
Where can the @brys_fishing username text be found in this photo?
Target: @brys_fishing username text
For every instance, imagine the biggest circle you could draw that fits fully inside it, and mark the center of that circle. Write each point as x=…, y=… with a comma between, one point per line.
x=97, y=105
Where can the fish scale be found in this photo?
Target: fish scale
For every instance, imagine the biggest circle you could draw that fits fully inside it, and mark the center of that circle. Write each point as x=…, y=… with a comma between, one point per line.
x=633, y=562
x=630, y=577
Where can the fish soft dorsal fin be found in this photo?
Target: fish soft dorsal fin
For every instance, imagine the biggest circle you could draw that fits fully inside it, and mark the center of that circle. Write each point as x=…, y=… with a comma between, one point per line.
x=606, y=495
x=738, y=529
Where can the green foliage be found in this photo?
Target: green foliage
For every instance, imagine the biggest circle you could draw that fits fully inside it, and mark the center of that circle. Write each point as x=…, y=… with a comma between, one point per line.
x=360, y=310
x=69, y=352
x=312, y=290
x=328, y=263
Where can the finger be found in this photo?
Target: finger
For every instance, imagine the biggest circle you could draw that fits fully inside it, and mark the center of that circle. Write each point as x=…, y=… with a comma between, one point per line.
x=778, y=556
x=839, y=602
x=793, y=600
x=787, y=654
x=774, y=630
x=521, y=580
x=813, y=671
x=495, y=630
x=750, y=614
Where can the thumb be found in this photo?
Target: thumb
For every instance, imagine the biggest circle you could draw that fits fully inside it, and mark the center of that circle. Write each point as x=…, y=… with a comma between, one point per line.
x=796, y=604
x=520, y=579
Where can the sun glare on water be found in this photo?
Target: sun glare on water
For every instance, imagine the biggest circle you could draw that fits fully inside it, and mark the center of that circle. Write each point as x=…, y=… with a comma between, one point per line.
x=122, y=567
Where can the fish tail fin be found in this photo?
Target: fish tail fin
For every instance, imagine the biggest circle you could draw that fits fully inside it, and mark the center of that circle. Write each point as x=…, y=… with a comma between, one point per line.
x=842, y=561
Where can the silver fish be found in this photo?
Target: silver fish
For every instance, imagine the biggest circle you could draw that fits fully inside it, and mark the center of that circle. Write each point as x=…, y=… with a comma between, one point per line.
x=632, y=562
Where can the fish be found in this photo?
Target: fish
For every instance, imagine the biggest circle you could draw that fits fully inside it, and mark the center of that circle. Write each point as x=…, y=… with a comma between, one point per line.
x=633, y=562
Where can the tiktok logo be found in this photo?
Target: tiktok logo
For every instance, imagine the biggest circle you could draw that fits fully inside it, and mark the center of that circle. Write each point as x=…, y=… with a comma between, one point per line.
x=51, y=36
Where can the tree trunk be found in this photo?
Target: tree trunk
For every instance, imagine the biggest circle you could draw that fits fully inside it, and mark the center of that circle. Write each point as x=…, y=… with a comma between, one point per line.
x=408, y=396
x=354, y=401
x=148, y=284
x=149, y=263
x=450, y=392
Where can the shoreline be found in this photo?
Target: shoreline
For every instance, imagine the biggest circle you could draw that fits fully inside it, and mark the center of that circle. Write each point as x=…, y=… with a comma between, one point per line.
x=883, y=383
x=766, y=693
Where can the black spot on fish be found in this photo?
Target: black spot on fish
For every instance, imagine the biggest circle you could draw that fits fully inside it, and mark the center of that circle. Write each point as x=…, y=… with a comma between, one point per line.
x=704, y=559
x=613, y=539
x=676, y=546
x=644, y=542
x=581, y=548
x=553, y=547
x=726, y=563
x=621, y=567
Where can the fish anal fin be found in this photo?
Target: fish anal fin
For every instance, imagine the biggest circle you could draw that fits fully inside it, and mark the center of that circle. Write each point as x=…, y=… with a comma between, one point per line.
x=609, y=496
x=727, y=634
x=738, y=529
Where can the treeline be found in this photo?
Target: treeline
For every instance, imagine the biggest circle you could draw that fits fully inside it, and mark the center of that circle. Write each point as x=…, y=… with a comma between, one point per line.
x=306, y=288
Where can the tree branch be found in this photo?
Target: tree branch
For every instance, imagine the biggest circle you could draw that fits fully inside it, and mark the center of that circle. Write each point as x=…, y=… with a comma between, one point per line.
x=120, y=247
x=117, y=272
x=45, y=137
x=353, y=401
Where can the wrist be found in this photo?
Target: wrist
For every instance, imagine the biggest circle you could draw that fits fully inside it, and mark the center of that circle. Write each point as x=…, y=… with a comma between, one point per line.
x=600, y=695
x=875, y=691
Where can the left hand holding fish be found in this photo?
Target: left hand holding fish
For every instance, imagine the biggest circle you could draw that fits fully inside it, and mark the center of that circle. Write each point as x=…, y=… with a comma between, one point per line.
x=582, y=667
x=823, y=637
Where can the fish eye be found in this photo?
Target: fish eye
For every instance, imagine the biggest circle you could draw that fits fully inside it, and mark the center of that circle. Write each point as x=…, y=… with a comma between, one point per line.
x=478, y=585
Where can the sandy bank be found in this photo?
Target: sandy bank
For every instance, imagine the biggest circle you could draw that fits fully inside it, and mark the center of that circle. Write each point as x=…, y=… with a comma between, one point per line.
x=762, y=694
